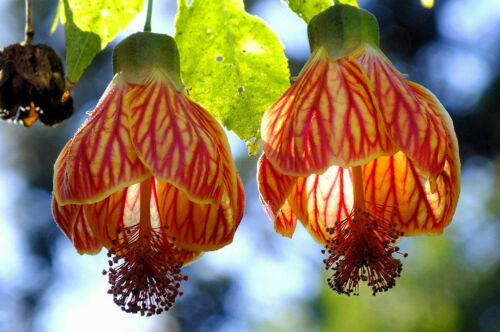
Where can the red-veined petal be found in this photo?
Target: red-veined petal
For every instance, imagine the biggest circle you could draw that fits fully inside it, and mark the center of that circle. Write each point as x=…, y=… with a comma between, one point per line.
x=176, y=138
x=437, y=110
x=195, y=226
x=99, y=159
x=181, y=255
x=239, y=201
x=109, y=220
x=321, y=200
x=201, y=226
x=326, y=118
x=274, y=188
x=73, y=222
x=411, y=124
x=286, y=221
x=83, y=238
x=187, y=256
x=65, y=217
x=106, y=217
x=231, y=181
x=423, y=206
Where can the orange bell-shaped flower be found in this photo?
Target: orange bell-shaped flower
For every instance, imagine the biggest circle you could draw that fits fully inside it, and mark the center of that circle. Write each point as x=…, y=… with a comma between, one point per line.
x=358, y=154
x=149, y=176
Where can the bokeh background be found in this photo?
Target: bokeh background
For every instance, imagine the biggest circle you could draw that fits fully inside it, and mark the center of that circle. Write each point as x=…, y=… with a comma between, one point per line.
x=262, y=281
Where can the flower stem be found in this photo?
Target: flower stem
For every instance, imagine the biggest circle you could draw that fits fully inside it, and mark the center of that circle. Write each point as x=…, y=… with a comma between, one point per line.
x=145, y=208
x=28, y=31
x=147, y=25
x=357, y=183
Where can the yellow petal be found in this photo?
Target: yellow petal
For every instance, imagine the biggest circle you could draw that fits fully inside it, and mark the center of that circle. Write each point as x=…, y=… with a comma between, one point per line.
x=177, y=139
x=327, y=117
x=112, y=219
x=320, y=201
x=286, y=221
x=424, y=205
x=72, y=220
x=411, y=124
x=196, y=226
x=106, y=217
x=274, y=189
x=65, y=217
x=83, y=238
x=437, y=110
x=187, y=256
x=99, y=159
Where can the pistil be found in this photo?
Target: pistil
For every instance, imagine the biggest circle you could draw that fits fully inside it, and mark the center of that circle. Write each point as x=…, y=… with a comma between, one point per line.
x=145, y=209
x=144, y=273
x=357, y=186
x=361, y=247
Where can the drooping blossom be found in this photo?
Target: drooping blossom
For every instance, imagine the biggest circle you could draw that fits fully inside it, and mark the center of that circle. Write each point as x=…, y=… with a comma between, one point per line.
x=358, y=154
x=149, y=176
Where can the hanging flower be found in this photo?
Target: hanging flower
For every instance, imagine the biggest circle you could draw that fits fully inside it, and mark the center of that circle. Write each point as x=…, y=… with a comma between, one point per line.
x=149, y=176
x=358, y=154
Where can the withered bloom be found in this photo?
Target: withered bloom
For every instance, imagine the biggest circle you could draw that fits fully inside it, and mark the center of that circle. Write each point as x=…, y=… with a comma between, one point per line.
x=31, y=85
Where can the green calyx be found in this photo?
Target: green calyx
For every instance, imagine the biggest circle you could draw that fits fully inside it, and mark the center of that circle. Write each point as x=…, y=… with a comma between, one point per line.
x=342, y=29
x=139, y=54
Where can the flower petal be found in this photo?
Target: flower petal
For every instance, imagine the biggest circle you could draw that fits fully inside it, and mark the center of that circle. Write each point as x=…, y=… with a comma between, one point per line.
x=72, y=220
x=99, y=159
x=321, y=200
x=196, y=226
x=274, y=188
x=286, y=221
x=106, y=217
x=326, y=118
x=411, y=124
x=65, y=217
x=109, y=217
x=238, y=199
x=187, y=256
x=423, y=206
x=83, y=238
x=177, y=139
x=436, y=110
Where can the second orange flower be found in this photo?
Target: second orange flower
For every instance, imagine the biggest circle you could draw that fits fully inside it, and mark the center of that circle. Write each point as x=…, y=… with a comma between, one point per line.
x=358, y=154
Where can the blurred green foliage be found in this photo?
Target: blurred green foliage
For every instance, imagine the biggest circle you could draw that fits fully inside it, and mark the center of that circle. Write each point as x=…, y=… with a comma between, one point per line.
x=424, y=299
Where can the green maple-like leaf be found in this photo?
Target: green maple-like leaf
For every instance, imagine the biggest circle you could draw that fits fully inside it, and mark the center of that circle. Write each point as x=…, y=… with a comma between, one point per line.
x=307, y=9
x=89, y=25
x=231, y=63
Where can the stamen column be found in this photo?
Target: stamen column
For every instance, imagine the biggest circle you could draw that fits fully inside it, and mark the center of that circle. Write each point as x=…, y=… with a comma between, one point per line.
x=145, y=209
x=357, y=183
